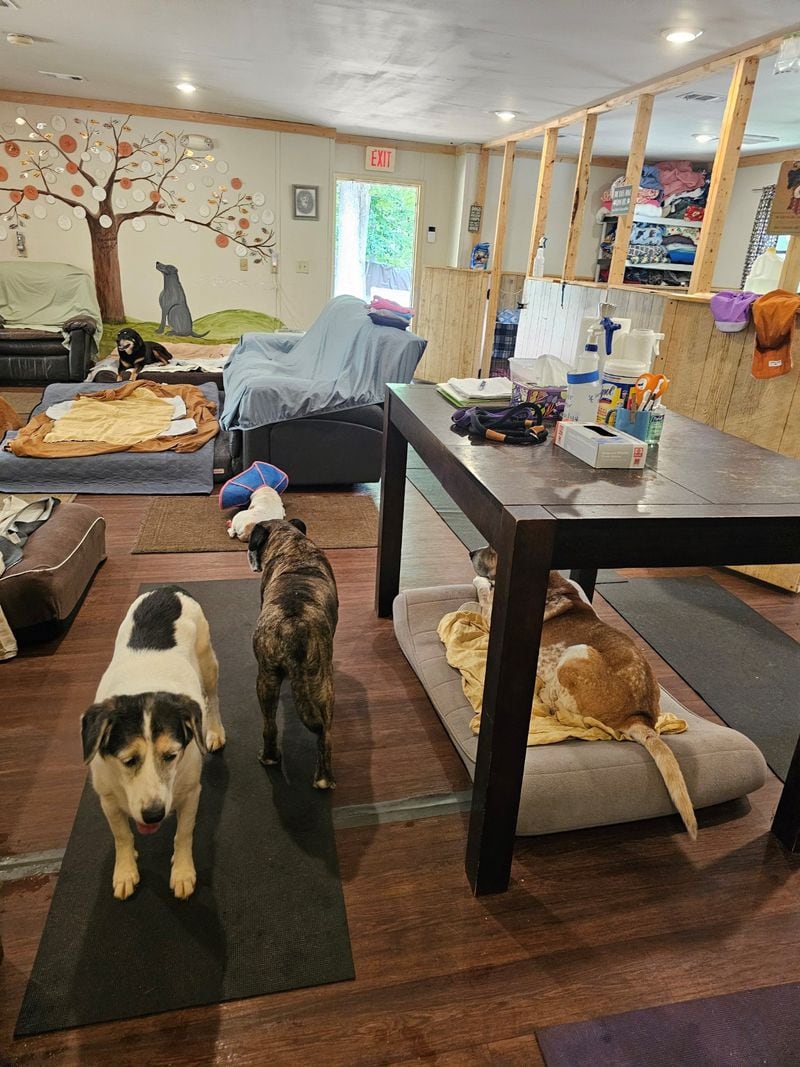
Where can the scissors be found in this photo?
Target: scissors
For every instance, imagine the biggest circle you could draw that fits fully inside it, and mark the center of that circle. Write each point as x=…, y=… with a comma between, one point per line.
x=650, y=388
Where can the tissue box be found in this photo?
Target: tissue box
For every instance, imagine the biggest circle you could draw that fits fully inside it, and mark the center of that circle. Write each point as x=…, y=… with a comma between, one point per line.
x=551, y=398
x=600, y=446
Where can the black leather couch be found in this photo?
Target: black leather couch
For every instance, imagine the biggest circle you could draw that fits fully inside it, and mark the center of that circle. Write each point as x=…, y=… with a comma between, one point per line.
x=29, y=356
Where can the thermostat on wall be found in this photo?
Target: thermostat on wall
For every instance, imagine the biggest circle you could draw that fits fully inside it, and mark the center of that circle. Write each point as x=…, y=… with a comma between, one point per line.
x=431, y=234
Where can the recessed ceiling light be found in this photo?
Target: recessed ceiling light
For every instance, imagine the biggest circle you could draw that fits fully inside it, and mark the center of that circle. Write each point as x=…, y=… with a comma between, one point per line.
x=681, y=36
x=506, y=116
x=19, y=38
x=186, y=87
x=703, y=138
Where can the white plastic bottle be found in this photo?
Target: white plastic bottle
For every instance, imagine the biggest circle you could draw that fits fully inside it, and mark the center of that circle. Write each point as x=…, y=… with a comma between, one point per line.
x=538, y=259
x=583, y=383
x=619, y=377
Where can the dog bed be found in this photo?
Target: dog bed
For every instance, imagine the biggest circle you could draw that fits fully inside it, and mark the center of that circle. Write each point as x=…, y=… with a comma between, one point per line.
x=577, y=784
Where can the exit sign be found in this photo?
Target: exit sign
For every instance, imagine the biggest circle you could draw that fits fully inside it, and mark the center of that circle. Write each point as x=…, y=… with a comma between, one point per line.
x=379, y=158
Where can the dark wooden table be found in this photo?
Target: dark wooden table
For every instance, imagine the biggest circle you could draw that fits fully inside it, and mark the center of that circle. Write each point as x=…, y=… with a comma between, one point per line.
x=705, y=499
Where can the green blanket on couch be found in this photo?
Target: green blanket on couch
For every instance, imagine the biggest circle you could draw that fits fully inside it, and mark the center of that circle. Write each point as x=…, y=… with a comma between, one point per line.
x=43, y=296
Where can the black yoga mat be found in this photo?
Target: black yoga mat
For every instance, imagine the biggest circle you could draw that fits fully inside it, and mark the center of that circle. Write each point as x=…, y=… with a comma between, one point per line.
x=745, y=668
x=267, y=914
x=754, y=1026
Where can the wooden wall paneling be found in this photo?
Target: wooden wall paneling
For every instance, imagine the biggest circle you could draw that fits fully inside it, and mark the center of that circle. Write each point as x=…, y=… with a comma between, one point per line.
x=579, y=196
x=724, y=354
x=681, y=363
x=790, y=274
x=511, y=284
x=450, y=317
x=543, y=186
x=666, y=327
x=790, y=438
x=633, y=175
x=497, y=250
x=758, y=408
x=723, y=172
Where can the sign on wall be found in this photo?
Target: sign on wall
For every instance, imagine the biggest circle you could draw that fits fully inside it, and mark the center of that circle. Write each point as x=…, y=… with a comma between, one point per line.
x=474, y=223
x=379, y=158
x=621, y=199
x=785, y=214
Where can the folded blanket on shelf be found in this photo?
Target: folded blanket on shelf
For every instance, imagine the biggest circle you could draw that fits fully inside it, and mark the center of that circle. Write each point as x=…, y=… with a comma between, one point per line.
x=678, y=176
x=647, y=254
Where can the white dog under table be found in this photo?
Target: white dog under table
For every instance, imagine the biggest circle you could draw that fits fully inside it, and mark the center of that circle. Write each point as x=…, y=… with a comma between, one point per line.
x=575, y=784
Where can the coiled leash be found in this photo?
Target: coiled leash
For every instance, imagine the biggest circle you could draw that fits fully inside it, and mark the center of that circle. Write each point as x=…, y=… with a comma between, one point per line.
x=517, y=425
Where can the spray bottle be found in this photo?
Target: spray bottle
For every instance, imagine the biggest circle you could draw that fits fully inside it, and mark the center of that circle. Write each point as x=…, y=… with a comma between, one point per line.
x=538, y=259
x=583, y=382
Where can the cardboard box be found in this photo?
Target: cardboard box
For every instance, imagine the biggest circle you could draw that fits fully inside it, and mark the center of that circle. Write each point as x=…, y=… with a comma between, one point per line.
x=601, y=446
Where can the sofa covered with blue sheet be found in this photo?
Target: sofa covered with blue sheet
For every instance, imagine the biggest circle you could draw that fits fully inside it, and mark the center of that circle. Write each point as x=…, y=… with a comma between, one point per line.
x=310, y=403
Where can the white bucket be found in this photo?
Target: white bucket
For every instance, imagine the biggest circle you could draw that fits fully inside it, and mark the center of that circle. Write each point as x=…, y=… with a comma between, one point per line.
x=619, y=377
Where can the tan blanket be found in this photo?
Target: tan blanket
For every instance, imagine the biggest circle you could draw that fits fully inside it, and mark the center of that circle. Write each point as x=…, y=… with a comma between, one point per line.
x=136, y=418
x=34, y=440
x=465, y=635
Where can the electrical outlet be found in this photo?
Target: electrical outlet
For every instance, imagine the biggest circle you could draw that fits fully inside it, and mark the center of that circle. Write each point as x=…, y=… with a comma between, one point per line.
x=243, y=263
x=302, y=266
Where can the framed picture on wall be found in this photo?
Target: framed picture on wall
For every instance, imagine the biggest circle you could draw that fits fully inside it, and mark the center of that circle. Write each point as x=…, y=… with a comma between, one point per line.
x=305, y=201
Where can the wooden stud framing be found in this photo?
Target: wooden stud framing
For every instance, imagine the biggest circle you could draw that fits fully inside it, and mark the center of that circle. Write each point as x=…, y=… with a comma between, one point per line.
x=497, y=256
x=760, y=47
x=543, y=186
x=790, y=274
x=579, y=196
x=723, y=172
x=633, y=175
x=480, y=196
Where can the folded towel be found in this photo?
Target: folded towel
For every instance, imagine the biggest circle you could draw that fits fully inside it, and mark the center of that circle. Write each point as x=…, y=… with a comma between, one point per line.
x=480, y=388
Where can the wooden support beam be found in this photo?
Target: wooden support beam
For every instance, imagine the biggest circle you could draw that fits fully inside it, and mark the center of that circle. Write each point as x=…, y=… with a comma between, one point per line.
x=480, y=194
x=723, y=172
x=497, y=256
x=543, y=186
x=579, y=196
x=633, y=176
x=790, y=274
x=663, y=83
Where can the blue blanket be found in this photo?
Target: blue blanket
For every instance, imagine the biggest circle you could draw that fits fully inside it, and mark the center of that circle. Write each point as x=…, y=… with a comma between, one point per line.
x=343, y=361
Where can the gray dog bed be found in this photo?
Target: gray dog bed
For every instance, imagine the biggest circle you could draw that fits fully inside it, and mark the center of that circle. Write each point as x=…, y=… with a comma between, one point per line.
x=575, y=784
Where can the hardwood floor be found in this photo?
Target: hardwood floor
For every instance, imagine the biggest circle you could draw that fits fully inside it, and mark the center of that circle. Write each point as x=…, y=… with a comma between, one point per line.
x=595, y=922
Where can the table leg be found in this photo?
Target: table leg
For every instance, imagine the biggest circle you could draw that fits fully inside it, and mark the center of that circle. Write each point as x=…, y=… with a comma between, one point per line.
x=586, y=579
x=524, y=556
x=786, y=824
x=390, y=527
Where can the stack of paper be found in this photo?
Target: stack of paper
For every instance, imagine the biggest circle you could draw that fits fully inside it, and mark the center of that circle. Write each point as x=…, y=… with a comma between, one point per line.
x=469, y=392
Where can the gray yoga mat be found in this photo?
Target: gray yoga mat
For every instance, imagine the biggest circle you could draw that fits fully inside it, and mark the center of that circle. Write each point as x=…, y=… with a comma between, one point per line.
x=745, y=668
x=268, y=913
x=756, y=1026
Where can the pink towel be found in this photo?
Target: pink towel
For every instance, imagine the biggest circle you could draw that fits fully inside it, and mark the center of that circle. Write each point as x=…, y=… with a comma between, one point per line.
x=380, y=303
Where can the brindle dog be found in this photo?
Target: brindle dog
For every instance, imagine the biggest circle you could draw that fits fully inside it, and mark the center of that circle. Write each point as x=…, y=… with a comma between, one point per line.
x=294, y=635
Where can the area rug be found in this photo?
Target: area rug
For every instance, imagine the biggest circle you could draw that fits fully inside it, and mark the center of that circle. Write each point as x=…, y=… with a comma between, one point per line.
x=754, y=1026
x=268, y=913
x=196, y=524
x=742, y=666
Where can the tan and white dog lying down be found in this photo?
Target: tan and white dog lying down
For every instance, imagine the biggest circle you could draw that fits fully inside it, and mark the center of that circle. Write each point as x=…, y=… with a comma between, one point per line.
x=265, y=504
x=156, y=712
x=591, y=669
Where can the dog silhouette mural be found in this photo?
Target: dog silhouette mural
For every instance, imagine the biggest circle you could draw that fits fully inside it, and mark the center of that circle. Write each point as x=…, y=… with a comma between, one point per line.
x=174, y=305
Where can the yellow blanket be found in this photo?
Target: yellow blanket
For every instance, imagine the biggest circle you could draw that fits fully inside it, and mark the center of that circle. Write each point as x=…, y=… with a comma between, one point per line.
x=465, y=635
x=137, y=417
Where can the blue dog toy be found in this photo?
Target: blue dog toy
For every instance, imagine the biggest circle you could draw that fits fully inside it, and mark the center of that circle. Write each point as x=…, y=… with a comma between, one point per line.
x=236, y=492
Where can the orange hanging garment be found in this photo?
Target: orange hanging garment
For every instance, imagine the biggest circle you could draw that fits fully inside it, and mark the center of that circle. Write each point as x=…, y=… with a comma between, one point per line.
x=773, y=317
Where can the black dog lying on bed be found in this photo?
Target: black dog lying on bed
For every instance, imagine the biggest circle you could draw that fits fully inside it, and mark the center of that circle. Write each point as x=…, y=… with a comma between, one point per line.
x=135, y=353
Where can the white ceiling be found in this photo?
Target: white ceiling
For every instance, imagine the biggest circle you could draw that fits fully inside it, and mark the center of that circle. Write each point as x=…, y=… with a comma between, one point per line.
x=422, y=69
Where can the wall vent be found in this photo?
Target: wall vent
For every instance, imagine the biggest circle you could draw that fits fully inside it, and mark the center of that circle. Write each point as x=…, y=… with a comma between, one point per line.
x=62, y=77
x=699, y=98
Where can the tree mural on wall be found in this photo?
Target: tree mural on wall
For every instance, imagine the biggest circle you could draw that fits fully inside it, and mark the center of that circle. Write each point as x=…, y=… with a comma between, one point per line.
x=107, y=178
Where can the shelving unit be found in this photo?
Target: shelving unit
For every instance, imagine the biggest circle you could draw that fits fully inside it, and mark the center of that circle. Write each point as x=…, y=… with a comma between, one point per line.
x=648, y=220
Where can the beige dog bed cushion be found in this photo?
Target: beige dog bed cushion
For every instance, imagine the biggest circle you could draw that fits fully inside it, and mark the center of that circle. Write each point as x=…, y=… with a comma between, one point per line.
x=575, y=784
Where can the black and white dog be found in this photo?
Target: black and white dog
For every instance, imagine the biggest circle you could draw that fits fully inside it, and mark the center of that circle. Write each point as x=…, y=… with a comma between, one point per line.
x=156, y=711
x=135, y=353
